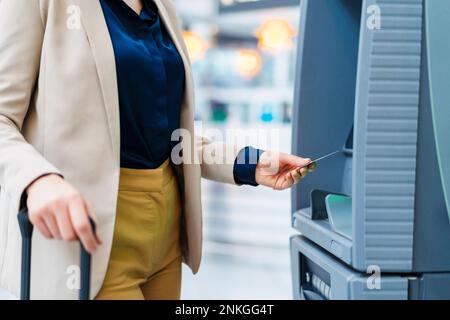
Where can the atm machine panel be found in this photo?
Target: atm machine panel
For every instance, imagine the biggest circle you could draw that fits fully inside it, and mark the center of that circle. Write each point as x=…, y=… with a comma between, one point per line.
x=380, y=97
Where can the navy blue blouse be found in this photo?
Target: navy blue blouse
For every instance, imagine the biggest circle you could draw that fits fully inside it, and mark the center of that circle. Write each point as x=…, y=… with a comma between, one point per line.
x=151, y=82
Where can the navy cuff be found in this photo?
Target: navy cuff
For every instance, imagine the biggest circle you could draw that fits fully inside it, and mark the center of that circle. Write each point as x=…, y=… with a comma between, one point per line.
x=245, y=166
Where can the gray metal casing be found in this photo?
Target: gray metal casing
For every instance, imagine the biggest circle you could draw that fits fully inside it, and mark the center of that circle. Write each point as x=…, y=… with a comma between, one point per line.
x=340, y=282
x=376, y=81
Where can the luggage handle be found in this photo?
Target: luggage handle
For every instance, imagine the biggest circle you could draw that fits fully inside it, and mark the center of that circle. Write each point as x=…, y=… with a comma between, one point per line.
x=26, y=230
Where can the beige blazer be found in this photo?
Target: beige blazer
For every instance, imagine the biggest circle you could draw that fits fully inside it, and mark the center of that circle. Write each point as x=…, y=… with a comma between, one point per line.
x=59, y=113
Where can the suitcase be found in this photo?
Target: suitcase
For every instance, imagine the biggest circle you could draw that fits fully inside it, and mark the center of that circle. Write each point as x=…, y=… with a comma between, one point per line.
x=26, y=230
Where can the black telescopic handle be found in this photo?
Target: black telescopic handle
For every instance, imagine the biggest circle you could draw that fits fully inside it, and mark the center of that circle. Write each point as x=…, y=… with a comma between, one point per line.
x=85, y=266
x=26, y=230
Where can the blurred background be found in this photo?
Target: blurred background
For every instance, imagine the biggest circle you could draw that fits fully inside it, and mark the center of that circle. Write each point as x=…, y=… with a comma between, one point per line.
x=243, y=54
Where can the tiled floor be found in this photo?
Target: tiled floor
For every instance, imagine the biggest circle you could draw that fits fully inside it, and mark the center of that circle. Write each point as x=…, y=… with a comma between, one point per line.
x=225, y=279
x=4, y=295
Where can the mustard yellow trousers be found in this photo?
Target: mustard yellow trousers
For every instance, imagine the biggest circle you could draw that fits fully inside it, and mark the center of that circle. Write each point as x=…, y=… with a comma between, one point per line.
x=145, y=261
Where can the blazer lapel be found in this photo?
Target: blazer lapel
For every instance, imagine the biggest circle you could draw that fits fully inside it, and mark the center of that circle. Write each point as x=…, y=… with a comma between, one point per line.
x=103, y=52
x=181, y=47
x=169, y=26
x=187, y=110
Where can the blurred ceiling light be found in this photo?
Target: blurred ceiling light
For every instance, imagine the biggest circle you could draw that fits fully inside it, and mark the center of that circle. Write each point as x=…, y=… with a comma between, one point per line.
x=249, y=63
x=195, y=44
x=275, y=35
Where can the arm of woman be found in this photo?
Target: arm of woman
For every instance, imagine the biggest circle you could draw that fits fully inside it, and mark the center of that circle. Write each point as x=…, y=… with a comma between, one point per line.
x=217, y=159
x=56, y=208
x=20, y=49
x=226, y=163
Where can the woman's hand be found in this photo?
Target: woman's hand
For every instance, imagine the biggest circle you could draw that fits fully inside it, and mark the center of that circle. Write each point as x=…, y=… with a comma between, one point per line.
x=281, y=171
x=59, y=211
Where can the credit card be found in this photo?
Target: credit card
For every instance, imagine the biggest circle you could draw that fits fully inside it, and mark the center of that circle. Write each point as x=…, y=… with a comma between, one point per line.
x=327, y=156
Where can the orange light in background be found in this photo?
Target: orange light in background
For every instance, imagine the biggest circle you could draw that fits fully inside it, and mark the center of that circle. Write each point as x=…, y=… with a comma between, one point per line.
x=275, y=35
x=195, y=44
x=249, y=63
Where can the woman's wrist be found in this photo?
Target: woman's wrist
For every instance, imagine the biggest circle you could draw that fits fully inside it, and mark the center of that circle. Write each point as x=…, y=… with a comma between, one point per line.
x=49, y=177
x=245, y=166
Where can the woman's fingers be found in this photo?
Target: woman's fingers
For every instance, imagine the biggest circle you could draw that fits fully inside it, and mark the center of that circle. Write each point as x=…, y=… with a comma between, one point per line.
x=52, y=225
x=294, y=160
x=296, y=176
x=312, y=167
x=303, y=172
x=42, y=227
x=65, y=225
x=58, y=210
x=82, y=225
x=91, y=214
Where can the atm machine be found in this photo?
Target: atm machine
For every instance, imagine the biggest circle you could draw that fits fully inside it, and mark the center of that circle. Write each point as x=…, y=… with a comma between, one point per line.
x=374, y=221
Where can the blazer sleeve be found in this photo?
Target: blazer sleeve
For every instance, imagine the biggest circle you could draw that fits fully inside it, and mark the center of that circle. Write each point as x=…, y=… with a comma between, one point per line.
x=217, y=159
x=21, y=38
